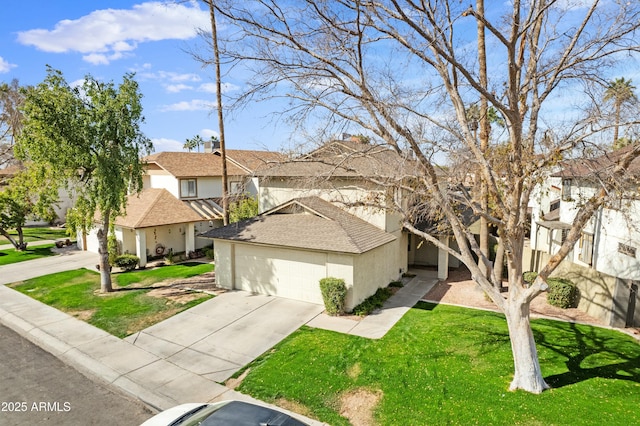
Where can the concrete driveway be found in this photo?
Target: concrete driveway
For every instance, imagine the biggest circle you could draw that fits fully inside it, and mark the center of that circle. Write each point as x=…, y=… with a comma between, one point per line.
x=218, y=337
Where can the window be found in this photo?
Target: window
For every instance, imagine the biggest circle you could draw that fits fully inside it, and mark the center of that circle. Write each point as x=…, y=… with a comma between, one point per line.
x=188, y=188
x=627, y=250
x=586, y=248
x=566, y=189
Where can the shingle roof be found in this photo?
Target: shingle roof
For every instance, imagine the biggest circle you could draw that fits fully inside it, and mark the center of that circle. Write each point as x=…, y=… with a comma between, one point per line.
x=599, y=165
x=192, y=164
x=306, y=223
x=252, y=160
x=155, y=207
x=346, y=159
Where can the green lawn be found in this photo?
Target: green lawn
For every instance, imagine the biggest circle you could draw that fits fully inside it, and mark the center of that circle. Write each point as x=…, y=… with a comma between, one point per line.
x=37, y=234
x=120, y=313
x=444, y=365
x=12, y=256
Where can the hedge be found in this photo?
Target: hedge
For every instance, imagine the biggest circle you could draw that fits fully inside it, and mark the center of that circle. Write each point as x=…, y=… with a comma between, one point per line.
x=334, y=293
x=128, y=262
x=562, y=293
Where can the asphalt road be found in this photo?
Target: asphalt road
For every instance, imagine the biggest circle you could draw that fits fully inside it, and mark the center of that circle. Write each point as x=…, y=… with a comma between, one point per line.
x=38, y=389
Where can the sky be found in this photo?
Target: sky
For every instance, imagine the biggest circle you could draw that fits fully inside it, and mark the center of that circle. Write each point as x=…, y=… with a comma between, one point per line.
x=109, y=38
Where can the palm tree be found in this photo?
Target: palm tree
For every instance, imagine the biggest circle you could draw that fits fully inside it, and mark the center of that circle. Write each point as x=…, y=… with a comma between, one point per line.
x=192, y=143
x=620, y=91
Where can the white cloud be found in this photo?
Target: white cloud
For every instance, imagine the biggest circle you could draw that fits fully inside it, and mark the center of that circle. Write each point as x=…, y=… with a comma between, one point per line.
x=192, y=105
x=170, y=76
x=164, y=144
x=176, y=88
x=207, y=133
x=105, y=35
x=211, y=87
x=5, y=66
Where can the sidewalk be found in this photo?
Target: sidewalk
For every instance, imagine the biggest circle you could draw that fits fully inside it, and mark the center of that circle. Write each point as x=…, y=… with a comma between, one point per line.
x=141, y=364
x=376, y=325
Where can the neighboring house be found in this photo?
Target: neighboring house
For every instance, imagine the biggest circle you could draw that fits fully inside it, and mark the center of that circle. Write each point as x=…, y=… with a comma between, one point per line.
x=324, y=215
x=604, y=263
x=181, y=198
x=60, y=208
x=286, y=250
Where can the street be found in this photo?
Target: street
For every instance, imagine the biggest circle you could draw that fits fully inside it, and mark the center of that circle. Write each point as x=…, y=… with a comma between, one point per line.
x=37, y=389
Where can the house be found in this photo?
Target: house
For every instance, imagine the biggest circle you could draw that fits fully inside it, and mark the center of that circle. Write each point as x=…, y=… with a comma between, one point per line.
x=181, y=198
x=329, y=213
x=60, y=207
x=286, y=250
x=604, y=263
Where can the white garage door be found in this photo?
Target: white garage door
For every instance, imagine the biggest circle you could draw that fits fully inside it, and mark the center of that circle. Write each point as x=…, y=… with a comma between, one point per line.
x=280, y=272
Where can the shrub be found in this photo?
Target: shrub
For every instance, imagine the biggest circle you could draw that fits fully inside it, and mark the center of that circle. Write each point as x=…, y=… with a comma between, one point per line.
x=562, y=293
x=374, y=302
x=396, y=284
x=128, y=262
x=334, y=293
x=208, y=252
x=529, y=277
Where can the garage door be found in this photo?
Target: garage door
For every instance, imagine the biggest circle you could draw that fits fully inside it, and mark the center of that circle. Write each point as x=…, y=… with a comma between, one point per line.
x=280, y=272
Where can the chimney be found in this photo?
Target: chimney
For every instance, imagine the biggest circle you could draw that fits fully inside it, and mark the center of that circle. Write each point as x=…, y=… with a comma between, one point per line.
x=207, y=147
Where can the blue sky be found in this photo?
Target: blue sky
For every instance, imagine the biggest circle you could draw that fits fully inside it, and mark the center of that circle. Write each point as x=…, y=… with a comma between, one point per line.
x=108, y=38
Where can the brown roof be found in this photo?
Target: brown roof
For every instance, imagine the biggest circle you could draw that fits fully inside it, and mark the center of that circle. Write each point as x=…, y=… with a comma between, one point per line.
x=155, y=207
x=600, y=165
x=346, y=159
x=306, y=223
x=192, y=164
x=252, y=160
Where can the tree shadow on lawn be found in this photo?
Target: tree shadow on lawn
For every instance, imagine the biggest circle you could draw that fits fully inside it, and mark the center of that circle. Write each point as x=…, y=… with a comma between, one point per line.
x=592, y=352
x=588, y=352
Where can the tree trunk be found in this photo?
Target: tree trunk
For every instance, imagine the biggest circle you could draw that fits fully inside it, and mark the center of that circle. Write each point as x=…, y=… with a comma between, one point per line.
x=484, y=137
x=105, y=267
x=223, y=148
x=527, y=375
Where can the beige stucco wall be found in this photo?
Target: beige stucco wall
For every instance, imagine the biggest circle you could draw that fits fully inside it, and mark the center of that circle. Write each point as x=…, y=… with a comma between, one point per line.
x=373, y=270
x=274, y=192
x=296, y=274
x=597, y=289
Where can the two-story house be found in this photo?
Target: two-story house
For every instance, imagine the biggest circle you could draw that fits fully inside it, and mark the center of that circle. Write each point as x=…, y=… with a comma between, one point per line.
x=604, y=263
x=181, y=199
x=329, y=213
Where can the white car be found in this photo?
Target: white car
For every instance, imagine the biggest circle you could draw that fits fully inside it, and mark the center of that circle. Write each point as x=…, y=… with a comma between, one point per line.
x=235, y=413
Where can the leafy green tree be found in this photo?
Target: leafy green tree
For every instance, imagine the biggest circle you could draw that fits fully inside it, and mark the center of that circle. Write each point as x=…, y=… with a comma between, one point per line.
x=621, y=92
x=91, y=136
x=243, y=209
x=25, y=196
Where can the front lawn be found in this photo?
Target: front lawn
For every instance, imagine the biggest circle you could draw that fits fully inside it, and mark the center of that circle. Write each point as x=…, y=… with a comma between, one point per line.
x=13, y=256
x=37, y=234
x=444, y=365
x=122, y=312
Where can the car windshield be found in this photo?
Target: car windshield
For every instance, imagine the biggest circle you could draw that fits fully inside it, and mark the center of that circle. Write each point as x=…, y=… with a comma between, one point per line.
x=239, y=413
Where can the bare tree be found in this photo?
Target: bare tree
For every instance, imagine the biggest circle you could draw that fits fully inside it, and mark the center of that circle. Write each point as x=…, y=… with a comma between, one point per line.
x=402, y=69
x=11, y=99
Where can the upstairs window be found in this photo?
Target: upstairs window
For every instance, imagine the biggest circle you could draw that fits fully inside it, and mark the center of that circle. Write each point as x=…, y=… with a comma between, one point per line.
x=627, y=250
x=188, y=188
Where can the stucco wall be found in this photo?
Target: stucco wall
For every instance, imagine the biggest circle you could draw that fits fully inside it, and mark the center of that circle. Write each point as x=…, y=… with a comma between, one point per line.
x=373, y=270
x=596, y=289
x=275, y=192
